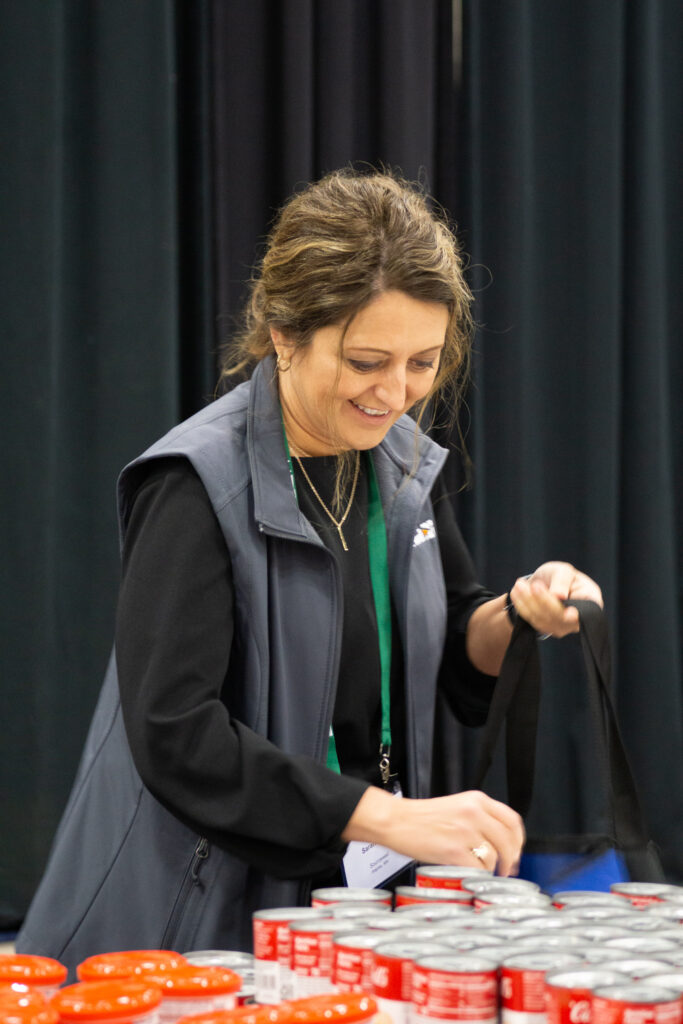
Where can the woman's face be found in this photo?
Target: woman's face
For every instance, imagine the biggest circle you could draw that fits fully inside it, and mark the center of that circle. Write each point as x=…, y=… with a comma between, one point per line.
x=389, y=361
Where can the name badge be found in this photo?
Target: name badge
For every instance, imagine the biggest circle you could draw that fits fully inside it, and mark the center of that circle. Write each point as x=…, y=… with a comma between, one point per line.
x=369, y=865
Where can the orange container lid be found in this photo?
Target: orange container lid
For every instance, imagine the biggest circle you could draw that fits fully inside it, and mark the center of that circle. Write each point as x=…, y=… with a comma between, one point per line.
x=344, y=1006
x=275, y=1013
x=127, y=963
x=194, y=980
x=31, y=970
x=23, y=1005
x=104, y=1000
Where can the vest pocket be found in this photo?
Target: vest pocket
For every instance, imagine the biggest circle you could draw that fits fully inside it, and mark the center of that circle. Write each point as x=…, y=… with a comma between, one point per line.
x=191, y=879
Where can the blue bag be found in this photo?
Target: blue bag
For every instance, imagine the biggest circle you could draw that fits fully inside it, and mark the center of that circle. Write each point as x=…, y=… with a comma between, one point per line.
x=569, y=861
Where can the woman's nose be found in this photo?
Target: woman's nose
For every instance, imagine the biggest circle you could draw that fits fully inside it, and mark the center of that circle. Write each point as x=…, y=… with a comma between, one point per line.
x=392, y=388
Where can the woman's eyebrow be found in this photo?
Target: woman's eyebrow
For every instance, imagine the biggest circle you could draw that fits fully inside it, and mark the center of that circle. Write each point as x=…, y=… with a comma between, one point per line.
x=386, y=352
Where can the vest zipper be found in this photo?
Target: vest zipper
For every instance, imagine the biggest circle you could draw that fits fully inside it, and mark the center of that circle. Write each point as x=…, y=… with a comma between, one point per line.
x=190, y=879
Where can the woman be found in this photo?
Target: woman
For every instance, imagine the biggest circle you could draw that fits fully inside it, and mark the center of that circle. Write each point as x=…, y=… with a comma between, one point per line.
x=294, y=591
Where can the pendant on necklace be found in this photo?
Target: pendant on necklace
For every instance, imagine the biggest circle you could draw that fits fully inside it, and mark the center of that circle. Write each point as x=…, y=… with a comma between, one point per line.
x=341, y=538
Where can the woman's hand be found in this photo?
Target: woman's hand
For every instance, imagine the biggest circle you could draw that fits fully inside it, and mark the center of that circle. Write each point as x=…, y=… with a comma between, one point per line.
x=538, y=598
x=443, y=830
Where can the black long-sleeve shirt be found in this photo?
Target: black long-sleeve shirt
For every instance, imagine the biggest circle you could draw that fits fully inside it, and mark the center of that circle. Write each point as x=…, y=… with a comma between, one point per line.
x=174, y=636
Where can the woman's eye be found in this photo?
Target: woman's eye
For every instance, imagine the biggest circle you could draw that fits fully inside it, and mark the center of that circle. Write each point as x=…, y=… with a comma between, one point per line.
x=423, y=364
x=362, y=367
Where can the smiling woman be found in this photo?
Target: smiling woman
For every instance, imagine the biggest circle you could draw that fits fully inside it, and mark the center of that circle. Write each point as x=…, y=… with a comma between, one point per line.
x=295, y=591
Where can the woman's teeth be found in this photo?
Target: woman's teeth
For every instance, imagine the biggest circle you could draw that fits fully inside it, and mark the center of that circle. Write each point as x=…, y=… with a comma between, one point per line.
x=370, y=412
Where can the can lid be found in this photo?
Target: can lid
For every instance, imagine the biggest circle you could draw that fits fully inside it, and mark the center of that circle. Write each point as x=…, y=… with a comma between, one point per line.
x=342, y=894
x=235, y=959
x=584, y=976
x=410, y=950
x=456, y=963
x=102, y=1000
x=344, y=1006
x=279, y=1013
x=127, y=963
x=635, y=992
x=284, y=914
x=426, y=892
x=540, y=961
x=194, y=980
x=20, y=1004
x=31, y=970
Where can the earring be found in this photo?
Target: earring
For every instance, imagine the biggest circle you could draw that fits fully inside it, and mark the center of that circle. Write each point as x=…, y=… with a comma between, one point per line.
x=283, y=364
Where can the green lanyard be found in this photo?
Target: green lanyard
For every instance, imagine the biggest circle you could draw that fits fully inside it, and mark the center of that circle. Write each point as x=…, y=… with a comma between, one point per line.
x=379, y=579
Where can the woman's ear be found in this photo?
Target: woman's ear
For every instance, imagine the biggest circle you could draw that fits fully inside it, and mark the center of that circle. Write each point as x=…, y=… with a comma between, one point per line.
x=281, y=343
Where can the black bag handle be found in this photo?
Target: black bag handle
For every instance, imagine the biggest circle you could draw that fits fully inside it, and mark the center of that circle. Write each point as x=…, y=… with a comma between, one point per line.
x=516, y=700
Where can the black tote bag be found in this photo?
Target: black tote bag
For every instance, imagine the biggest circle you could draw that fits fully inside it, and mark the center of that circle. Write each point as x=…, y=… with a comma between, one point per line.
x=588, y=861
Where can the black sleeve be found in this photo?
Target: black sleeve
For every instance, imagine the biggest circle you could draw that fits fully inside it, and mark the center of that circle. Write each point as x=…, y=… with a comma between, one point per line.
x=284, y=814
x=467, y=690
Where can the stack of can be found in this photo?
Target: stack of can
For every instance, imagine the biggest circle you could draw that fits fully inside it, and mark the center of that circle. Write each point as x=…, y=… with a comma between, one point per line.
x=469, y=947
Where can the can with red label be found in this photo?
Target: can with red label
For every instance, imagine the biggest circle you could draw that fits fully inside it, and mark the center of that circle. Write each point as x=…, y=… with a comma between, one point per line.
x=342, y=894
x=310, y=959
x=468, y=941
x=522, y=914
x=392, y=975
x=272, y=949
x=552, y=940
x=352, y=960
x=455, y=988
x=636, y=1004
x=640, y=894
x=440, y=876
x=407, y=895
x=568, y=993
x=595, y=954
x=522, y=984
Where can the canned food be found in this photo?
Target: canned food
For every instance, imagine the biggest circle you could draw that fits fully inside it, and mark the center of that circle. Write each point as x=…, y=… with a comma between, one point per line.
x=22, y=1005
x=522, y=984
x=37, y=972
x=668, y=979
x=640, y=968
x=192, y=988
x=597, y=933
x=440, y=876
x=127, y=964
x=642, y=945
x=640, y=894
x=455, y=988
x=310, y=959
x=108, y=1002
x=573, y=896
x=392, y=975
x=342, y=894
x=411, y=894
x=234, y=960
x=568, y=992
x=467, y=942
x=340, y=1008
x=597, y=955
x=636, y=1004
x=272, y=947
x=513, y=898
x=352, y=960
x=356, y=910
x=435, y=911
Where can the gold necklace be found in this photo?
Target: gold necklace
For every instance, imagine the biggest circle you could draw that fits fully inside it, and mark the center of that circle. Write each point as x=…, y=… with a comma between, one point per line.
x=337, y=522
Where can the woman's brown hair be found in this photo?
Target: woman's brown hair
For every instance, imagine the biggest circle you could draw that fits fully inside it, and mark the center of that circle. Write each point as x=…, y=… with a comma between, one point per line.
x=338, y=244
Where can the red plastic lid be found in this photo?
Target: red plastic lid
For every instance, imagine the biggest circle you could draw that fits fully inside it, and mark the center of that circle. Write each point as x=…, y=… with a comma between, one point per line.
x=128, y=963
x=195, y=980
x=23, y=1005
x=104, y=1000
x=280, y=1013
x=345, y=1006
x=31, y=970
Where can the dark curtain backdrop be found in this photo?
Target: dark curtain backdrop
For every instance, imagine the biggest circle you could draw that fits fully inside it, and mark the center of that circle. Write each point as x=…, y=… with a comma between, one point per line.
x=146, y=148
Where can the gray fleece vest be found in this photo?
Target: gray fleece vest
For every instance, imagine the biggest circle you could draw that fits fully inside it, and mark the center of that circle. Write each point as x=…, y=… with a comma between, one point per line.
x=124, y=872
